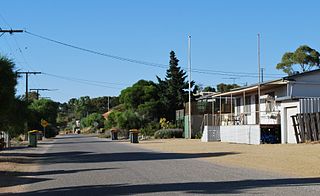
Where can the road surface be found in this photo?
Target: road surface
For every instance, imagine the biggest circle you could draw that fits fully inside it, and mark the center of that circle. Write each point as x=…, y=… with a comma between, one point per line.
x=85, y=165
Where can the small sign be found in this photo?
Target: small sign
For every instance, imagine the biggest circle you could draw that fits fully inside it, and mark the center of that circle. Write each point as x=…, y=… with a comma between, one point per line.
x=44, y=123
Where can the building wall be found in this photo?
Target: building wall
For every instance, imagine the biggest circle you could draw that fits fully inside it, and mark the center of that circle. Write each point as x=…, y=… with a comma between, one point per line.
x=246, y=134
x=288, y=109
x=306, y=85
x=266, y=117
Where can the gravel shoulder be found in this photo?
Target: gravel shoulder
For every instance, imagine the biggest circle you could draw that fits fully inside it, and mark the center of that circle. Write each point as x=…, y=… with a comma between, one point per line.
x=16, y=167
x=299, y=160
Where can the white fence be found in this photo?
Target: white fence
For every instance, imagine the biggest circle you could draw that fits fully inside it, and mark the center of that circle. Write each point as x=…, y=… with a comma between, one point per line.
x=211, y=133
x=247, y=134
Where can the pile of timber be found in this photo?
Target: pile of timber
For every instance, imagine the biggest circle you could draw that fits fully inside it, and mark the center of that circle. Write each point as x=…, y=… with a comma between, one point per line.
x=306, y=127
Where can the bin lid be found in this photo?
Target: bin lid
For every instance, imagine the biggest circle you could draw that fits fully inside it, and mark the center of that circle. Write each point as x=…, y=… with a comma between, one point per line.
x=114, y=129
x=134, y=130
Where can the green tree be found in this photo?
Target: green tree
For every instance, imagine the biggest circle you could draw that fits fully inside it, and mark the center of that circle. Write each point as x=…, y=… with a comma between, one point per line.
x=129, y=120
x=91, y=119
x=209, y=89
x=100, y=104
x=8, y=81
x=142, y=98
x=226, y=87
x=112, y=120
x=304, y=57
x=13, y=110
x=17, y=117
x=43, y=109
x=172, y=90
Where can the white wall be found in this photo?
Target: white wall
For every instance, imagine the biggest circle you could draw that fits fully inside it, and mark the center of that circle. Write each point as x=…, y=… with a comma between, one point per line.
x=246, y=134
x=287, y=132
x=211, y=133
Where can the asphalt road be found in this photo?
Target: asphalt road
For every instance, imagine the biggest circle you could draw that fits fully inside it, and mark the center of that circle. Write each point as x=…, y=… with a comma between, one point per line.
x=83, y=165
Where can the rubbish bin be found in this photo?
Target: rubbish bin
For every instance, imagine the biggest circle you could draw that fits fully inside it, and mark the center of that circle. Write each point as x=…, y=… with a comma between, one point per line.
x=40, y=135
x=114, y=134
x=33, y=138
x=134, y=133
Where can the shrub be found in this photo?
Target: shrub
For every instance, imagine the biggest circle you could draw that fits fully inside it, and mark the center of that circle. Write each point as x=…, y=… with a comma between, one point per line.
x=168, y=133
x=150, y=129
x=91, y=119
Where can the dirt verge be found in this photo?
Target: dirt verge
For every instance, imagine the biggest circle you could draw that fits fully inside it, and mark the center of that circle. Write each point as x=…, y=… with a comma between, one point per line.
x=301, y=160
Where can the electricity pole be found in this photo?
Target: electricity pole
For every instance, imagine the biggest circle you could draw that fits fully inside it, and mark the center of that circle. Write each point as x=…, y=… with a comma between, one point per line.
x=11, y=31
x=41, y=89
x=27, y=78
x=259, y=75
x=189, y=67
x=108, y=103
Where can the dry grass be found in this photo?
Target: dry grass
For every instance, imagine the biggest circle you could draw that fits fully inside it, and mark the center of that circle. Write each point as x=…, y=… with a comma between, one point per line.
x=289, y=159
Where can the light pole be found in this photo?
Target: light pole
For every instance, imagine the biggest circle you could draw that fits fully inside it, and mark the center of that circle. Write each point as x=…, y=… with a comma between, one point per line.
x=189, y=66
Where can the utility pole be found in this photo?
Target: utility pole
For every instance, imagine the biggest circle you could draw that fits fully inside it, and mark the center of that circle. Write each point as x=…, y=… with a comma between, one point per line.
x=27, y=76
x=108, y=103
x=189, y=66
x=259, y=70
x=41, y=89
x=262, y=74
x=11, y=31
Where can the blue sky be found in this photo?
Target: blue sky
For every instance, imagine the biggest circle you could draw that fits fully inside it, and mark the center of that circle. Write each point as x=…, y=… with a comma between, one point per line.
x=224, y=38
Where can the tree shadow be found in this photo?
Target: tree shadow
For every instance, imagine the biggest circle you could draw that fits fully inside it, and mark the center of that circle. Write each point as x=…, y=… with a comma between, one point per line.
x=223, y=187
x=91, y=157
x=13, y=178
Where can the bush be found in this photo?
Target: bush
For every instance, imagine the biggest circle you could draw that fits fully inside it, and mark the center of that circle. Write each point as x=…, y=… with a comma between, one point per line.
x=150, y=129
x=91, y=119
x=168, y=133
x=51, y=132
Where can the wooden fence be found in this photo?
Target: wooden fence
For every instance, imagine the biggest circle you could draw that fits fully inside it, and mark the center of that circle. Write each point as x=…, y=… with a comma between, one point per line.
x=306, y=127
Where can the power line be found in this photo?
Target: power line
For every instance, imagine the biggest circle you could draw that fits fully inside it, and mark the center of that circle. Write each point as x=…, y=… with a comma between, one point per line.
x=201, y=71
x=16, y=42
x=99, y=53
x=84, y=81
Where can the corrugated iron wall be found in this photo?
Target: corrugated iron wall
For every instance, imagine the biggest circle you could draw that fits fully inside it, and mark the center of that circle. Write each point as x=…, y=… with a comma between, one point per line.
x=309, y=105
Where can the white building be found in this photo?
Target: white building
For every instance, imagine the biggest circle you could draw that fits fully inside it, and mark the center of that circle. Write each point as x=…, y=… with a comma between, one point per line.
x=239, y=118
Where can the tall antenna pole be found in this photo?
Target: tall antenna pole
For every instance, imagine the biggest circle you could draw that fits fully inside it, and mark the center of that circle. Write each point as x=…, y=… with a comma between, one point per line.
x=259, y=70
x=189, y=66
x=108, y=103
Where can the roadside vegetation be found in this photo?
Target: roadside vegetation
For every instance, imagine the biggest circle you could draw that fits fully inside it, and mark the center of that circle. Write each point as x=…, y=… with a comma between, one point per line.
x=146, y=105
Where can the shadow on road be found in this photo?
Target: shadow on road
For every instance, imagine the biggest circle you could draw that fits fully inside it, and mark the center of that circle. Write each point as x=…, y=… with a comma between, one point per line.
x=223, y=187
x=90, y=157
x=13, y=178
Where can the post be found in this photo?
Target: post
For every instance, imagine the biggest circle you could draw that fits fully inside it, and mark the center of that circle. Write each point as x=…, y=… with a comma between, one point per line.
x=259, y=69
x=232, y=119
x=220, y=117
x=27, y=88
x=189, y=67
x=108, y=103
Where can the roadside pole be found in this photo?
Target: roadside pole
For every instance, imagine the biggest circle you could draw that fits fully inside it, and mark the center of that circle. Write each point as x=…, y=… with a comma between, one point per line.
x=189, y=65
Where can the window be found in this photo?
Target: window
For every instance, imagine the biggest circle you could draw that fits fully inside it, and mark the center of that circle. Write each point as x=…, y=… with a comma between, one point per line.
x=247, y=105
x=270, y=102
x=238, y=104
